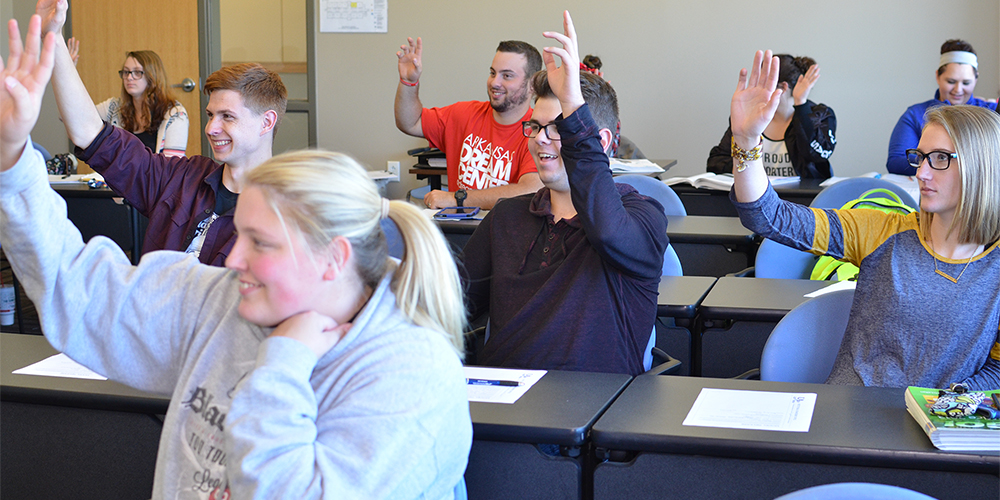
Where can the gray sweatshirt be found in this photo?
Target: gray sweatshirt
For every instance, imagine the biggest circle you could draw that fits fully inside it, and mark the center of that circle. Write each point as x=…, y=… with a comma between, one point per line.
x=384, y=414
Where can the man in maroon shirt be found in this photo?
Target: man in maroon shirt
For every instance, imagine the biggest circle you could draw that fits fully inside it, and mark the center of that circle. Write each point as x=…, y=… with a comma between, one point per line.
x=189, y=201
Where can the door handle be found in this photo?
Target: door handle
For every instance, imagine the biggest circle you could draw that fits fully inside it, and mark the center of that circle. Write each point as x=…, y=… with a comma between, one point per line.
x=187, y=85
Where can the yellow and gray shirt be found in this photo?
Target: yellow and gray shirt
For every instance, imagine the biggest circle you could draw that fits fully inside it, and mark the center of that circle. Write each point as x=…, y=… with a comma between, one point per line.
x=908, y=325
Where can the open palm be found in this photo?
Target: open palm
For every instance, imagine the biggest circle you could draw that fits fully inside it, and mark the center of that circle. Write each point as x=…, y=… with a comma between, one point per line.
x=25, y=74
x=755, y=99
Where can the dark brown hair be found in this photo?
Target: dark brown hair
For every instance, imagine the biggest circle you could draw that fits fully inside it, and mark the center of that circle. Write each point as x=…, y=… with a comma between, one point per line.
x=527, y=50
x=599, y=95
x=157, y=98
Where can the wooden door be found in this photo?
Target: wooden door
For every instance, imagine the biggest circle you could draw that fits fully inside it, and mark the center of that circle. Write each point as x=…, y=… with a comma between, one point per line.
x=107, y=29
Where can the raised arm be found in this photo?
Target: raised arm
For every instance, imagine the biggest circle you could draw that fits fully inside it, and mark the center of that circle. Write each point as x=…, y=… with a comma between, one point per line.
x=75, y=105
x=752, y=107
x=408, y=107
x=564, y=80
x=24, y=78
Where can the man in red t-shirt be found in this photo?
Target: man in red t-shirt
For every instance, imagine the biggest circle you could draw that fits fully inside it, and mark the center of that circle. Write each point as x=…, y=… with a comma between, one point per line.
x=487, y=153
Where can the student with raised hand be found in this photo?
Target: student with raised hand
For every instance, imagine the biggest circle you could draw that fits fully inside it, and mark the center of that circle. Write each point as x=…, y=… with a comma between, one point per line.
x=569, y=275
x=487, y=155
x=314, y=367
x=800, y=138
x=926, y=309
x=189, y=200
x=957, y=73
x=147, y=106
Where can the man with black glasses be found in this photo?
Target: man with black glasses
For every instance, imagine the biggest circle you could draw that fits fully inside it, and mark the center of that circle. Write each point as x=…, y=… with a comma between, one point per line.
x=569, y=274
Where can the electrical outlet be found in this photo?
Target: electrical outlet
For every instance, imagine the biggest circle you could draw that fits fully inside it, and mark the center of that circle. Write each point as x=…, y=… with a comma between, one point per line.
x=393, y=168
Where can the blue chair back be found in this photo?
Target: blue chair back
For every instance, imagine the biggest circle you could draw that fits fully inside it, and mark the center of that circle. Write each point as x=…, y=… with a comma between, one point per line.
x=672, y=205
x=775, y=260
x=804, y=344
x=837, y=195
x=656, y=190
x=392, y=236
x=855, y=491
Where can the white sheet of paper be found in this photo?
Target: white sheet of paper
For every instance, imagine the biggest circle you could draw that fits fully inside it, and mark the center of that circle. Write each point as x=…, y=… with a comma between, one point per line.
x=343, y=16
x=840, y=285
x=759, y=410
x=500, y=394
x=59, y=365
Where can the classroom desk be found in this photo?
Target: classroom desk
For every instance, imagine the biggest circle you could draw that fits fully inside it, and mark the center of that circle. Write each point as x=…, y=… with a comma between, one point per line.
x=714, y=202
x=559, y=410
x=72, y=438
x=434, y=174
x=677, y=305
x=101, y=211
x=707, y=246
x=858, y=434
x=712, y=246
x=737, y=316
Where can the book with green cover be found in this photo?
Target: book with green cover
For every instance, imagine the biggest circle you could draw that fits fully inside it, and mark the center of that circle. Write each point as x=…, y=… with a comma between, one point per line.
x=969, y=433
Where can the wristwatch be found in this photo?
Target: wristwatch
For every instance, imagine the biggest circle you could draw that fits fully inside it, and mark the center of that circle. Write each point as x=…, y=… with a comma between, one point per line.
x=460, y=197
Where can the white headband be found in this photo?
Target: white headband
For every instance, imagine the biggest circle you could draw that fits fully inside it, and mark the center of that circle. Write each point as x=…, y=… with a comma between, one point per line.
x=385, y=208
x=961, y=57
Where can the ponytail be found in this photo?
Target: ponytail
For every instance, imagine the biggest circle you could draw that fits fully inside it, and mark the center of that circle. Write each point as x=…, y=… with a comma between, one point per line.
x=326, y=195
x=426, y=284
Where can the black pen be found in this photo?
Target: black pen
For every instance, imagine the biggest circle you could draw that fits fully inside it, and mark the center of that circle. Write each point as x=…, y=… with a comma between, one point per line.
x=482, y=381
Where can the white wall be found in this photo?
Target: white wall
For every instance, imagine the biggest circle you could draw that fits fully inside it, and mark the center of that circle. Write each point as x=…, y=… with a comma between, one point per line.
x=673, y=63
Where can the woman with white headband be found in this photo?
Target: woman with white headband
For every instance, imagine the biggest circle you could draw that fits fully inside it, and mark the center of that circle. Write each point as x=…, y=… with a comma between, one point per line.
x=956, y=77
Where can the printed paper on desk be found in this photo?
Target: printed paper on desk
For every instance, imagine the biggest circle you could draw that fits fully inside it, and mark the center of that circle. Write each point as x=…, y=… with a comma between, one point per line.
x=59, y=366
x=498, y=393
x=758, y=410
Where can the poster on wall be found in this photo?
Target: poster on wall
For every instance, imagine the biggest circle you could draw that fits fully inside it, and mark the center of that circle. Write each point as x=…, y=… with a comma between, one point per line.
x=345, y=16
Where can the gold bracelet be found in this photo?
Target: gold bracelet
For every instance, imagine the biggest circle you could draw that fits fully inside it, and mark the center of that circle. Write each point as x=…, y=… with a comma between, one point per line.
x=745, y=155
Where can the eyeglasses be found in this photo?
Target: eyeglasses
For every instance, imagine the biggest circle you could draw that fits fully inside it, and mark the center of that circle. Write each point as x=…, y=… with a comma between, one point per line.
x=530, y=130
x=136, y=74
x=938, y=160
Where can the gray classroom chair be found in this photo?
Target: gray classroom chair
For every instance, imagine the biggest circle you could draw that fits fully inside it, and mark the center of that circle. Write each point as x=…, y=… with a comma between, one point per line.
x=804, y=344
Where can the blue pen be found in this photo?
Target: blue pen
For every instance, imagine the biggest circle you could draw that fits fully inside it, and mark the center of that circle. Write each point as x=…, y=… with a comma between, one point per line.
x=482, y=381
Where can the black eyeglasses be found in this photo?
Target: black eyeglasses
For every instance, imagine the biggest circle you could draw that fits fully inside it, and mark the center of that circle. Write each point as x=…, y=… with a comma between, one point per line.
x=938, y=160
x=530, y=130
x=136, y=74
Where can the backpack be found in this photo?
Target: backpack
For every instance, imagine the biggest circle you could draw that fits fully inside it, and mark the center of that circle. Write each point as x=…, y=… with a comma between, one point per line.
x=828, y=268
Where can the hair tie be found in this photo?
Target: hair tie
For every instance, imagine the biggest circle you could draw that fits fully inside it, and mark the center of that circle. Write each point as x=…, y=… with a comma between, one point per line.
x=385, y=208
x=961, y=57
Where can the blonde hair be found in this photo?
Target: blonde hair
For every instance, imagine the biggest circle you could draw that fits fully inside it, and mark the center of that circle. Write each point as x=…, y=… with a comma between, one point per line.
x=975, y=132
x=325, y=195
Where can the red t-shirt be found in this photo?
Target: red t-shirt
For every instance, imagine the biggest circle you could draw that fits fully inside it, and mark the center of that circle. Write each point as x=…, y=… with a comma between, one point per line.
x=481, y=153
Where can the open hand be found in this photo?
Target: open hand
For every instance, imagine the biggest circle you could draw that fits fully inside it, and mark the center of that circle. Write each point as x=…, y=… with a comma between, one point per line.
x=53, y=14
x=318, y=332
x=24, y=77
x=74, y=49
x=410, y=64
x=564, y=80
x=755, y=100
x=805, y=84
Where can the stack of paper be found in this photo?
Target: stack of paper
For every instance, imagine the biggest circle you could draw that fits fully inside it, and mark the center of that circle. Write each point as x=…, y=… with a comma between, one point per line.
x=636, y=166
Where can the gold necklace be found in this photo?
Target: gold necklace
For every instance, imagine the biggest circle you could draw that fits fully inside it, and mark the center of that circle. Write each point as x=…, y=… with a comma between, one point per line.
x=946, y=275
